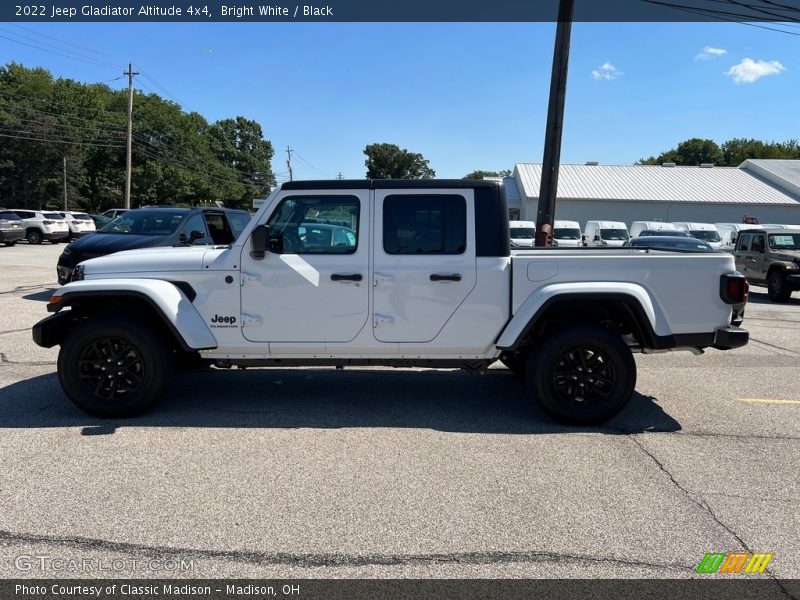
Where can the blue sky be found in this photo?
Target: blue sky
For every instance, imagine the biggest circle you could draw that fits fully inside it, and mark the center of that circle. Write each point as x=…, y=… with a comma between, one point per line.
x=467, y=96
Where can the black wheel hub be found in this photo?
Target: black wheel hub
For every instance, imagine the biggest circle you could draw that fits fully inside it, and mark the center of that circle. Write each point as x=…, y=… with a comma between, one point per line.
x=584, y=376
x=111, y=367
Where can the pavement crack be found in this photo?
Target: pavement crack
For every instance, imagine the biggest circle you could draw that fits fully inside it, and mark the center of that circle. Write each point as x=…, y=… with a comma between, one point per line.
x=700, y=502
x=14, y=331
x=763, y=343
x=315, y=560
x=27, y=363
x=27, y=288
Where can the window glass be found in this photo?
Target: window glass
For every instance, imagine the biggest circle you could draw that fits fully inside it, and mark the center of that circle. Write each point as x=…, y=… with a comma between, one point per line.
x=424, y=224
x=744, y=242
x=196, y=222
x=566, y=233
x=316, y=225
x=785, y=241
x=7, y=215
x=147, y=222
x=238, y=221
x=218, y=228
x=758, y=243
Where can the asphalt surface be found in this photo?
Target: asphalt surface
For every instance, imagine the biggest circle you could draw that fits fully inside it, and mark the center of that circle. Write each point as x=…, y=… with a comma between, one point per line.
x=399, y=473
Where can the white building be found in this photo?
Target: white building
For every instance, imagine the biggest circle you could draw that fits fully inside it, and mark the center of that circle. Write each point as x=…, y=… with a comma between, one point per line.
x=766, y=189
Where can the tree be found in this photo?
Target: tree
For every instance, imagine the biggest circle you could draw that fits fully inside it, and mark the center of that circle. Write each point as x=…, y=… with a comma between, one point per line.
x=388, y=161
x=481, y=174
x=692, y=152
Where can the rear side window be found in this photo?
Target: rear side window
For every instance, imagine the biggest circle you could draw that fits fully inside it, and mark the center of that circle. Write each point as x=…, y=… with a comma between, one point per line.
x=425, y=224
x=7, y=215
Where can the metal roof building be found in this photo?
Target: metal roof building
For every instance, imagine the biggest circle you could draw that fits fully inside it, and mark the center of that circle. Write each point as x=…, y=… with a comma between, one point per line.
x=766, y=189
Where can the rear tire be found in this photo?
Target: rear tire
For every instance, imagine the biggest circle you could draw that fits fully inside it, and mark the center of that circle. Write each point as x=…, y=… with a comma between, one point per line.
x=34, y=236
x=114, y=367
x=778, y=288
x=584, y=374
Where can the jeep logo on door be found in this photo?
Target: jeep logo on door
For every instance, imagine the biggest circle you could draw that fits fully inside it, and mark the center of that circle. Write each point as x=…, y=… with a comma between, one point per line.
x=223, y=321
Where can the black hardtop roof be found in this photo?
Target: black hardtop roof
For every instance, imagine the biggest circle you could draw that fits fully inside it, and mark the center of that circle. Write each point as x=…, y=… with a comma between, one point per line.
x=383, y=184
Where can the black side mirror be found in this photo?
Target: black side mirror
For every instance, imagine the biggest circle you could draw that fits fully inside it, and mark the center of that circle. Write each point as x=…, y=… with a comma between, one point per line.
x=259, y=241
x=733, y=240
x=597, y=238
x=195, y=235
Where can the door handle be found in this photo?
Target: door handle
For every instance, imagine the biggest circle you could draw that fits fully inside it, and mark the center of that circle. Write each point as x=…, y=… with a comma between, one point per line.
x=445, y=277
x=346, y=277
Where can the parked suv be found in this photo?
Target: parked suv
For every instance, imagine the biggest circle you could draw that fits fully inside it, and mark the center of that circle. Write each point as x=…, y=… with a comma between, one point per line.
x=770, y=257
x=12, y=229
x=151, y=227
x=43, y=225
x=113, y=213
x=79, y=223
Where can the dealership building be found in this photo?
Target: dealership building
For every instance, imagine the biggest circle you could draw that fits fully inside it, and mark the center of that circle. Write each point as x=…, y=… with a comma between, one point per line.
x=768, y=190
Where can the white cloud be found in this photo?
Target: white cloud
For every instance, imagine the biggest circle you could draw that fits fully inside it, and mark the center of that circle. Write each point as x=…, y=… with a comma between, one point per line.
x=710, y=53
x=606, y=72
x=750, y=70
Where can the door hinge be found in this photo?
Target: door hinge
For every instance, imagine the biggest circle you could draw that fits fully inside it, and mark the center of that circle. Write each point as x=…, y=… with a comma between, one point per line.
x=248, y=278
x=251, y=320
x=379, y=320
x=382, y=279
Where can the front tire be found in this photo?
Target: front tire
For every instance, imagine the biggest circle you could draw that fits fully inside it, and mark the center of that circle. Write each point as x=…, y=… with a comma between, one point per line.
x=9, y=244
x=778, y=288
x=583, y=375
x=114, y=367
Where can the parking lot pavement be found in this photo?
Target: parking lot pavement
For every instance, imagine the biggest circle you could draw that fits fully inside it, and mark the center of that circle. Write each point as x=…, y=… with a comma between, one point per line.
x=404, y=472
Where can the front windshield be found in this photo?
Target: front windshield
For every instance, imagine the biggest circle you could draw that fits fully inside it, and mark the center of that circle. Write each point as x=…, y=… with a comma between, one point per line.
x=523, y=233
x=566, y=233
x=614, y=235
x=784, y=241
x=146, y=222
x=706, y=236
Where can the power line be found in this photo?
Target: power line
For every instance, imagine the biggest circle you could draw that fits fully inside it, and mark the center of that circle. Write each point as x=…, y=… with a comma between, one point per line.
x=89, y=61
x=44, y=35
x=33, y=139
x=70, y=107
x=720, y=15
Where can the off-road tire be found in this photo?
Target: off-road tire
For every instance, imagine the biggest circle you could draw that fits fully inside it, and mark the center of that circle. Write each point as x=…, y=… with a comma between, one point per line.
x=114, y=367
x=582, y=374
x=778, y=289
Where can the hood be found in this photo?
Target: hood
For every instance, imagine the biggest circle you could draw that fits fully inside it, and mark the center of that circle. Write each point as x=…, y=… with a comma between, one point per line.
x=787, y=255
x=100, y=244
x=147, y=260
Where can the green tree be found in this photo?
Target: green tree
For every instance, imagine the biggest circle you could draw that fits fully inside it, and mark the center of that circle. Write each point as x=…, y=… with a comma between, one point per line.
x=388, y=161
x=481, y=174
x=692, y=152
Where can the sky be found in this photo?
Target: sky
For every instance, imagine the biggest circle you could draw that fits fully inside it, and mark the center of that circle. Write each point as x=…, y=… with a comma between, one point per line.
x=466, y=96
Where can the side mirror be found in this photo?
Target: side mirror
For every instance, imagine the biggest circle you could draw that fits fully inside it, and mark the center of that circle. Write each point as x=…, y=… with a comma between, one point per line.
x=597, y=238
x=733, y=240
x=195, y=235
x=259, y=241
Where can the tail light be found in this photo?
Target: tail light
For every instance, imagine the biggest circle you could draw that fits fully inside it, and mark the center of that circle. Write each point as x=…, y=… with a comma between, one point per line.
x=46, y=222
x=733, y=288
x=76, y=222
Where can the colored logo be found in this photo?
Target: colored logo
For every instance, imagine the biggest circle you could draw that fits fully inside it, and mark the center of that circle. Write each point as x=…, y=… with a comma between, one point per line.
x=734, y=562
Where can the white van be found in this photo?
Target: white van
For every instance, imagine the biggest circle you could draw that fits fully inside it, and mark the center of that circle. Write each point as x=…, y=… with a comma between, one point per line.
x=605, y=233
x=707, y=232
x=637, y=227
x=567, y=233
x=728, y=232
x=523, y=233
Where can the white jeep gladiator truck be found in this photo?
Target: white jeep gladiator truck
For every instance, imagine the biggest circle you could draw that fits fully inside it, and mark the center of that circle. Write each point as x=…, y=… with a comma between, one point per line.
x=393, y=273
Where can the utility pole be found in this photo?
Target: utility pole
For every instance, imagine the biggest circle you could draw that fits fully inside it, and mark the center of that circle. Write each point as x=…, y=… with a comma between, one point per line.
x=130, y=73
x=64, y=162
x=289, y=161
x=555, y=126
x=339, y=176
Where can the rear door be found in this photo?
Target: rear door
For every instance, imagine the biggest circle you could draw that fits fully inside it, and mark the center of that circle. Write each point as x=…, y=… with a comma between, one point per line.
x=424, y=261
x=744, y=255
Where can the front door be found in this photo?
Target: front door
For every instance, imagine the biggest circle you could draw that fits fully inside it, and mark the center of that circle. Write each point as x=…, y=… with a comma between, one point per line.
x=313, y=286
x=424, y=261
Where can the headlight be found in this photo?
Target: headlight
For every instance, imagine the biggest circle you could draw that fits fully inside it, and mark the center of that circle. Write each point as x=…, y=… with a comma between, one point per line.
x=77, y=273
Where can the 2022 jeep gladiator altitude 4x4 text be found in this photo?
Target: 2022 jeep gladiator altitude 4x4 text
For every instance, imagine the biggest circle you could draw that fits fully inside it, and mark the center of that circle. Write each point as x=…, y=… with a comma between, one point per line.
x=394, y=273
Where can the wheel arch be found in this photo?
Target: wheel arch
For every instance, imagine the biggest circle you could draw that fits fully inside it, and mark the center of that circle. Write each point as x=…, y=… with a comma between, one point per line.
x=630, y=313
x=159, y=303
